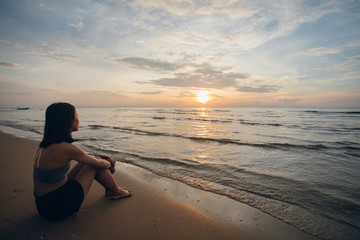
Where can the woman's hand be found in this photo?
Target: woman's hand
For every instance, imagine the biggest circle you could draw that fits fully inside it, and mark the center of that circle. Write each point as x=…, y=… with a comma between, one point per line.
x=110, y=160
x=106, y=164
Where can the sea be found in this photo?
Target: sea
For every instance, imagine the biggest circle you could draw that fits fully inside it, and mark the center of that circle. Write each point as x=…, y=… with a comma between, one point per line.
x=300, y=165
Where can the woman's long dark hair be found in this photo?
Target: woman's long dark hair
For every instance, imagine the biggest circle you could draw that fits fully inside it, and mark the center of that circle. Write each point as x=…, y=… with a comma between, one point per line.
x=59, y=118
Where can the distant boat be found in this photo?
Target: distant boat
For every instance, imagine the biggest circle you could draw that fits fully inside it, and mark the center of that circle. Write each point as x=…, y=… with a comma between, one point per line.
x=22, y=108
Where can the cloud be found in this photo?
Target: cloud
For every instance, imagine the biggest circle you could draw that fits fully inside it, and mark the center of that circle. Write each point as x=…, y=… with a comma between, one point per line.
x=234, y=9
x=350, y=65
x=202, y=76
x=226, y=25
x=152, y=92
x=10, y=65
x=205, y=76
x=159, y=65
x=10, y=44
x=79, y=26
x=150, y=64
x=258, y=89
x=53, y=54
x=187, y=94
x=320, y=51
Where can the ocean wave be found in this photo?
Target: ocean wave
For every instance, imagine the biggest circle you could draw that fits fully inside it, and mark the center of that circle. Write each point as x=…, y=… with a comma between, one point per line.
x=34, y=120
x=245, y=122
x=7, y=110
x=270, y=145
x=351, y=129
x=96, y=126
x=206, y=120
x=195, y=111
x=267, y=192
x=333, y=112
x=20, y=127
x=219, y=110
x=172, y=112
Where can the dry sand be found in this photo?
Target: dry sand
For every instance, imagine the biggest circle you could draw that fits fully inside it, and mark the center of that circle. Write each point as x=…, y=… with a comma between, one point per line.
x=152, y=213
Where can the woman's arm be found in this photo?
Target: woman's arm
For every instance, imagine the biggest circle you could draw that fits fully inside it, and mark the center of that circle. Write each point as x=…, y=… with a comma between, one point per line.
x=77, y=154
x=109, y=159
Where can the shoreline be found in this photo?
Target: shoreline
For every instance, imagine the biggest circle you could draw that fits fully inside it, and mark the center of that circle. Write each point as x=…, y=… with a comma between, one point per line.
x=222, y=208
x=160, y=208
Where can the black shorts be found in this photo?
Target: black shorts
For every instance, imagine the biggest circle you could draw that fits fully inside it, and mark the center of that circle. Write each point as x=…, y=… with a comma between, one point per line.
x=61, y=202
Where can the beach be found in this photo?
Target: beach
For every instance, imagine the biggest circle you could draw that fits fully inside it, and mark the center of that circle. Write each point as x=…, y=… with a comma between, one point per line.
x=150, y=214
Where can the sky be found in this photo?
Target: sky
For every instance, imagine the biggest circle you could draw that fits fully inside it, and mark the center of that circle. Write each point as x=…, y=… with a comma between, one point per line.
x=167, y=53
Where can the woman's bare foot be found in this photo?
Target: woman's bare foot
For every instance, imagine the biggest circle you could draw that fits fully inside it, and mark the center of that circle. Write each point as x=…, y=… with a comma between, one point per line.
x=121, y=193
x=109, y=193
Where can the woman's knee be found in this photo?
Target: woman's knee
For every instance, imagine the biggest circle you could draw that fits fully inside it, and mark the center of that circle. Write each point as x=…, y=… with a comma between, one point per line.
x=89, y=168
x=75, y=170
x=85, y=177
x=86, y=173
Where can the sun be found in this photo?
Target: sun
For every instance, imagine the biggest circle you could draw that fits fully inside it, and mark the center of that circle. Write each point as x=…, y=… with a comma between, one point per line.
x=203, y=96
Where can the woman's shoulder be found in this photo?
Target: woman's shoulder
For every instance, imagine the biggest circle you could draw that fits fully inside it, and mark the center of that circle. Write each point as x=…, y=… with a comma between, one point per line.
x=64, y=150
x=68, y=147
x=71, y=149
x=63, y=147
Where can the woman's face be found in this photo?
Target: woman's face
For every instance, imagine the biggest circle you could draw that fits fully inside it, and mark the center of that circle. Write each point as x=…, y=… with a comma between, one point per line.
x=75, y=125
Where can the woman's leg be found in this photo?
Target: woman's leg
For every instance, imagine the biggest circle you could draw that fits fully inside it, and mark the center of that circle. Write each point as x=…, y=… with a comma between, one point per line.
x=105, y=178
x=74, y=171
x=85, y=175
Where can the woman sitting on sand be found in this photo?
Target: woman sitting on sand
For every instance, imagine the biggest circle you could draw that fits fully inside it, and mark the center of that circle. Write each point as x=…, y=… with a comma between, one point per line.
x=58, y=191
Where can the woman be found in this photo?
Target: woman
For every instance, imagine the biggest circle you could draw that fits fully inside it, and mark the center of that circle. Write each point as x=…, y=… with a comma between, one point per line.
x=58, y=191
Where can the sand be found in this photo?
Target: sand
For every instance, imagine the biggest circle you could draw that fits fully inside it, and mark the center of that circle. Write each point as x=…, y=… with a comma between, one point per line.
x=159, y=209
